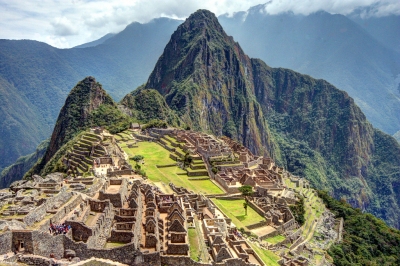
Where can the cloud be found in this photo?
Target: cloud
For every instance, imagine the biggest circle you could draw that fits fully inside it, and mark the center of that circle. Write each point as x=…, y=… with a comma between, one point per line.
x=67, y=23
x=306, y=7
x=64, y=27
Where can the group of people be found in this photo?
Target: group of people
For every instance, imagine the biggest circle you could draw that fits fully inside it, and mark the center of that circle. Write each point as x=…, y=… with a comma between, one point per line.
x=59, y=229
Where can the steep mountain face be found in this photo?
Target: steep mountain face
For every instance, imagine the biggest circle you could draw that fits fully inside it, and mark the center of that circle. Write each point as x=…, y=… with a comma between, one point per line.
x=332, y=47
x=307, y=125
x=35, y=79
x=87, y=105
x=207, y=79
x=325, y=137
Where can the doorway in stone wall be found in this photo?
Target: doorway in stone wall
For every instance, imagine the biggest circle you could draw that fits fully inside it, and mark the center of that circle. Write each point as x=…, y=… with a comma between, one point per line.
x=21, y=246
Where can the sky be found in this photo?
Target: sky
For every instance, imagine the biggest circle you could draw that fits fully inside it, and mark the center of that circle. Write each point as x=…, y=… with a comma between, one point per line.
x=67, y=23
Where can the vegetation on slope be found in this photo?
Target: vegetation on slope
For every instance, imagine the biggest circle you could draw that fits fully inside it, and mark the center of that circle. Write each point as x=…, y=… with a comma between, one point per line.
x=146, y=105
x=367, y=240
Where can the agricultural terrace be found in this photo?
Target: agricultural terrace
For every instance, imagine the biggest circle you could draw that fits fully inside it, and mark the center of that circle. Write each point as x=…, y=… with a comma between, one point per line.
x=154, y=154
x=234, y=209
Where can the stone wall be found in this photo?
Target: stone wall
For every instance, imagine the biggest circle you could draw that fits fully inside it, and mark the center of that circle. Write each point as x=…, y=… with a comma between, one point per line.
x=40, y=212
x=22, y=236
x=45, y=244
x=120, y=236
x=118, y=198
x=120, y=172
x=124, y=254
x=5, y=242
x=62, y=213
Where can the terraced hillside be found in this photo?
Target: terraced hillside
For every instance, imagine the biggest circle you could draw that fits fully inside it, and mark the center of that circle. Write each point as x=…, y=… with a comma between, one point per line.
x=80, y=158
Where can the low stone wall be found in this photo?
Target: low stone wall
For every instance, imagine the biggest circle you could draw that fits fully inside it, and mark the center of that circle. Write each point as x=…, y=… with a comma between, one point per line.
x=143, y=137
x=166, y=165
x=33, y=260
x=256, y=208
x=124, y=254
x=120, y=172
x=180, y=261
x=200, y=173
x=257, y=225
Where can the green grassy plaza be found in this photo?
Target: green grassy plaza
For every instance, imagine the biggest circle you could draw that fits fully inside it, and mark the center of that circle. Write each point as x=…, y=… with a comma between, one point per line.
x=234, y=210
x=154, y=154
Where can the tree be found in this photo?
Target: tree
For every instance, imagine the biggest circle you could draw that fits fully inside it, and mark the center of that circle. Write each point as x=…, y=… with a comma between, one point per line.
x=137, y=158
x=245, y=204
x=187, y=160
x=246, y=191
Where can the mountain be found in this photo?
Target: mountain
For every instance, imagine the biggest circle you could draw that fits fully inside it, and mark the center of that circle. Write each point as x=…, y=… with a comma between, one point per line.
x=17, y=170
x=385, y=29
x=35, y=79
x=308, y=125
x=203, y=72
x=332, y=47
x=87, y=105
x=96, y=42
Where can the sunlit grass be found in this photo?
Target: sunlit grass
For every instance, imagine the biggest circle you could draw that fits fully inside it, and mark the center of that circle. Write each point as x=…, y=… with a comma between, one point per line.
x=234, y=209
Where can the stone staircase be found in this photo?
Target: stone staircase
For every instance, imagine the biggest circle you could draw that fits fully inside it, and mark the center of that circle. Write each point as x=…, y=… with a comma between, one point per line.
x=80, y=158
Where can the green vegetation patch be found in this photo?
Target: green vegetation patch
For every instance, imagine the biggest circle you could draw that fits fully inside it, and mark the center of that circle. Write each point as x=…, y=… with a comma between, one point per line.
x=275, y=239
x=234, y=210
x=267, y=256
x=194, y=244
x=367, y=240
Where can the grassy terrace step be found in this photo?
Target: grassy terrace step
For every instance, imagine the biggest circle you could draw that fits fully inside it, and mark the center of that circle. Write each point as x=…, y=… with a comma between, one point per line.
x=78, y=147
x=84, y=145
x=87, y=142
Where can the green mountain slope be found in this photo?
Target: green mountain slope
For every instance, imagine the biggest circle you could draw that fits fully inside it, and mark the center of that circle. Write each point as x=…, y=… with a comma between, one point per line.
x=331, y=47
x=366, y=239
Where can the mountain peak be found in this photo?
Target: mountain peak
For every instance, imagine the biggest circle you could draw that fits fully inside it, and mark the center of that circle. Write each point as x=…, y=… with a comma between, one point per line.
x=200, y=20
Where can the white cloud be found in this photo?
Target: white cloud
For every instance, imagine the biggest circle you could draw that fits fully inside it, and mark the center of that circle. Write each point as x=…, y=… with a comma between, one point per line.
x=67, y=23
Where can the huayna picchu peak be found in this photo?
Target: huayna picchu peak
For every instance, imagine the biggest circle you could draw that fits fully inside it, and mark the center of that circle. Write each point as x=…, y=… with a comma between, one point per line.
x=218, y=159
x=203, y=72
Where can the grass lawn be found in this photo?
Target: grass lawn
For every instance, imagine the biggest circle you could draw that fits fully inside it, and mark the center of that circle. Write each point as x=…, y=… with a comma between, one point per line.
x=114, y=244
x=194, y=244
x=234, y=210
x=154, y=154
x=268, y=257
x=275, y=239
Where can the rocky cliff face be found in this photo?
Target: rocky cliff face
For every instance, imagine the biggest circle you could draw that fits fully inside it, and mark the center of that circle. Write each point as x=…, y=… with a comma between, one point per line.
x=307, y=125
